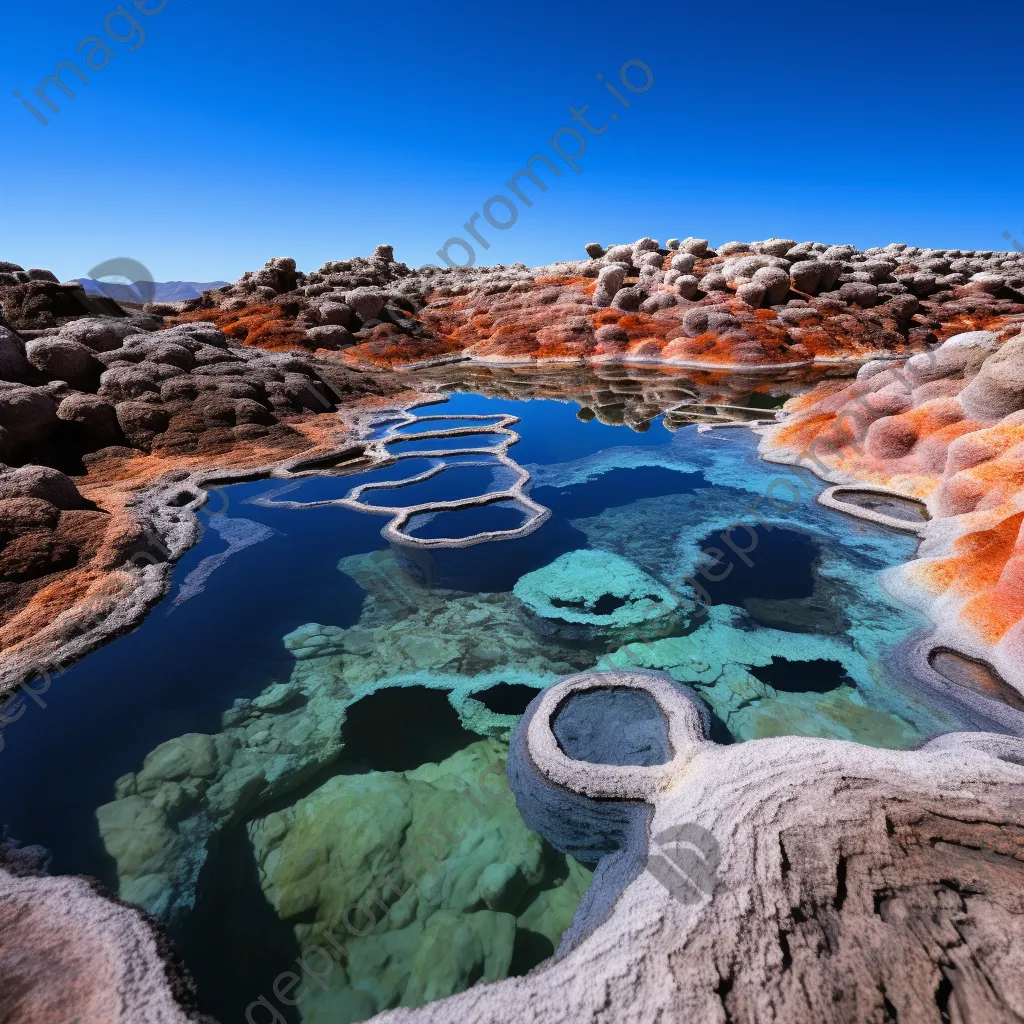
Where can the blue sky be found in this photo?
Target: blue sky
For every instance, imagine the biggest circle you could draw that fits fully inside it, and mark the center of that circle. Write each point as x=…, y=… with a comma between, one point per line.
x=236, y=132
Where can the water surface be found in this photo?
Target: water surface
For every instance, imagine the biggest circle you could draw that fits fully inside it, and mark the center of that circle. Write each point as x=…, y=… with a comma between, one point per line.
x=318, y=721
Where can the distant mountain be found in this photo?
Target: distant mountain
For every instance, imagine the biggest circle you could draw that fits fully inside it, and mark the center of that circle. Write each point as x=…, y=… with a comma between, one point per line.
x=146, y=291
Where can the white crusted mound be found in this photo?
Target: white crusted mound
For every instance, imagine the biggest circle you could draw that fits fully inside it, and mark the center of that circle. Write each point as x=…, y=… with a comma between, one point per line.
x=855, y=884
x=69, y=953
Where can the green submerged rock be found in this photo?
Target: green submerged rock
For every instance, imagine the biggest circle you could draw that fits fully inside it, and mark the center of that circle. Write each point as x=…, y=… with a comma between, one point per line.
x=418, y=883
x=590, y=595
x=718, y=658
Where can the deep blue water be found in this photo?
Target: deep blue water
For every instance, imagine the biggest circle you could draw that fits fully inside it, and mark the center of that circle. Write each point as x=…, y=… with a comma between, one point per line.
x=184, y=665
x=648, y=496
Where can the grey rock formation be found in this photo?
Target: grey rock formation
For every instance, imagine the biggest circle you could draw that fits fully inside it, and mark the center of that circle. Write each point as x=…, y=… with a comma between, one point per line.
x=775, y=282
x=29, y=415
x=697, y=246
x=41, y=482
x=69, y=948
x=887, y=890
x=96, y=417
x=63, y=359
x=101, y=334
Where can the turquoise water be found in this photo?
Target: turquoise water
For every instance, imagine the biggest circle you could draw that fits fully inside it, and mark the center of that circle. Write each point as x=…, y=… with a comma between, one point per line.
x=284, y=731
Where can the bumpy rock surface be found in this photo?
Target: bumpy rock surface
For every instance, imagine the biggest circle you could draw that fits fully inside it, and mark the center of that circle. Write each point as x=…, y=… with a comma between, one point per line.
x=367, y=840
x=947, y=428
x=594, y=595
x=96, y=407
x=85, y=379
x=67, y=948
x=768, y=303
x=35, y=300
x=888, y=890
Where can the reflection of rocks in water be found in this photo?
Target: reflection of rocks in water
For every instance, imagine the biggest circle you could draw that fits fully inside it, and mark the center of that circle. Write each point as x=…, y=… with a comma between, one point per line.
x=974, y=674
x=587, y=596
x=419, y=883
x=632, y=396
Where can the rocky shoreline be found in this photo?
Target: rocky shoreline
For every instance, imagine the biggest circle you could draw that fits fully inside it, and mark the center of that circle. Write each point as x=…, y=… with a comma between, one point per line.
x=111, y=430
x=947, y=429
x=117, y=424
x=765, y=304
x=100, y=402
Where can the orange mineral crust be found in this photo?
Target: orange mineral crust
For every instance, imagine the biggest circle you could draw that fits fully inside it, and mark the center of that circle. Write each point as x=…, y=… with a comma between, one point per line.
x=765, y=304
x=946, y=427
x=67, y=570
x=259, y=326
x=237, y=376
x=554, y=319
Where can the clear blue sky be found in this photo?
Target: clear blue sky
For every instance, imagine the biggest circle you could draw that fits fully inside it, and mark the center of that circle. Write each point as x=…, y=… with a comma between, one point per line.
x=245, y=129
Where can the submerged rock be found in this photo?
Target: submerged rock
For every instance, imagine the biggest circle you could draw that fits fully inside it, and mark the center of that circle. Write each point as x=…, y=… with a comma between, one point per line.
x=594, y=595
x=413, y=881
x=720, y=661
x=756, y=851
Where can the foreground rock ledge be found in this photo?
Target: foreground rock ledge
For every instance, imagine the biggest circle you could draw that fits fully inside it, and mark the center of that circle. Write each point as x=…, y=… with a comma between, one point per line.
x=69, y=951
x=854, y=884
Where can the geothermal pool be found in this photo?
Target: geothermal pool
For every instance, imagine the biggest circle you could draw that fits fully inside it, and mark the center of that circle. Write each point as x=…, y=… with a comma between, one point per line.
x=314, y=716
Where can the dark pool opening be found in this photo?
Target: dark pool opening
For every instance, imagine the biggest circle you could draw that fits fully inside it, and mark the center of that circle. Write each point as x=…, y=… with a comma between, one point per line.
x=613, y=725
x=453, y=483
x=761, y=400
x=400, y=728
x=467, y=522
x=775, y=563
x=430, y=444
x=507, y=698
x=819, y=676
x=604, y=605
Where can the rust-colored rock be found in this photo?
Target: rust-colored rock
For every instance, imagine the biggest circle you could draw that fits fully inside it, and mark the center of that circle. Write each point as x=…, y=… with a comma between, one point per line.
x=948, y=428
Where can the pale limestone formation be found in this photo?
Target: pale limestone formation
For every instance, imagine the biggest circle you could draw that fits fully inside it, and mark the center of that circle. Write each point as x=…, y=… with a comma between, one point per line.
x=850, y=884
